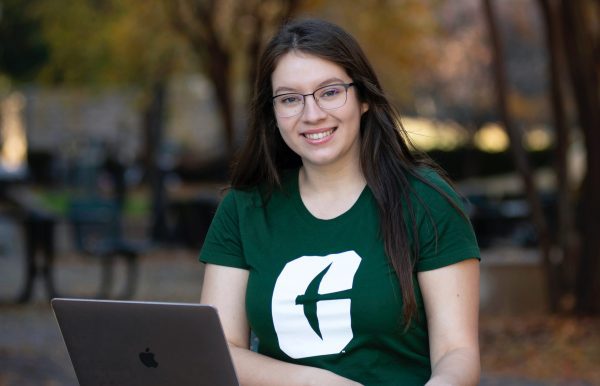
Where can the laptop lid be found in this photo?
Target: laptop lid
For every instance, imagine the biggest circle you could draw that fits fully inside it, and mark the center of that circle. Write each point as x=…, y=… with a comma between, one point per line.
x=126, y=343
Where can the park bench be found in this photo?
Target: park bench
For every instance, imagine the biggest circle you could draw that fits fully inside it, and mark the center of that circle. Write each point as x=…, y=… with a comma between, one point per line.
x=97, y=232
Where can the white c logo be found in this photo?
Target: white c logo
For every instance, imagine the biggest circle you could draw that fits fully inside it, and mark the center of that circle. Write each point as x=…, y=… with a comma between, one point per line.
x=318, y=282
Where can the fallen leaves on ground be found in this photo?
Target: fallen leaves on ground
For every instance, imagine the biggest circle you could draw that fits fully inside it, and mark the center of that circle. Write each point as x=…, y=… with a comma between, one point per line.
x=541, y=347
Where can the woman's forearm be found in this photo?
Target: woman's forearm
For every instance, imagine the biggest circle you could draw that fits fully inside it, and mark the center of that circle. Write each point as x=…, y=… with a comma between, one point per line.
x=459, y=367
x=254, y=369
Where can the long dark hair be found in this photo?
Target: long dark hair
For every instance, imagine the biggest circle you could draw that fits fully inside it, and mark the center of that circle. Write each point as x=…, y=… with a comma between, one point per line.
x=387, y=159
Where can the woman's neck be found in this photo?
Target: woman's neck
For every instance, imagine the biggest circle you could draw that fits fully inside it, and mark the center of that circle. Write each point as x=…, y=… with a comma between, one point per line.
x=331, y=179
x=329, y=192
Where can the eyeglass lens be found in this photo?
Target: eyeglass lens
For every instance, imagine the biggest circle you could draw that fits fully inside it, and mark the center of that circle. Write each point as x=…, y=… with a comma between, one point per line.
x=328, y=98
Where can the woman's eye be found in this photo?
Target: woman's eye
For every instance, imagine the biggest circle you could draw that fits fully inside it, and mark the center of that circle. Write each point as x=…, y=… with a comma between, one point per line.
x=291, y=99
x=330, y=92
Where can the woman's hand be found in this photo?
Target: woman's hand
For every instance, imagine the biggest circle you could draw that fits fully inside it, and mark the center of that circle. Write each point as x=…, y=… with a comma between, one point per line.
x=320, y=377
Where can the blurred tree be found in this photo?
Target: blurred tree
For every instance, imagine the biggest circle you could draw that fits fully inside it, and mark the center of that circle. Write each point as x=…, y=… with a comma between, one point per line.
x=454, y=84
x=563, y=273
x=574, y=35
x=22, y=48
x=581, y=39
x=97, y=43
x=224, y=34
x=397, y=36
x=107, y=42
x=520, y=158
x=100, y=43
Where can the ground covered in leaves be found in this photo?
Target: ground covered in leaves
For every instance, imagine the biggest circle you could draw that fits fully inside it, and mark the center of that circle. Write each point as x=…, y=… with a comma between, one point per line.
x=552, y=348
x=516, y=351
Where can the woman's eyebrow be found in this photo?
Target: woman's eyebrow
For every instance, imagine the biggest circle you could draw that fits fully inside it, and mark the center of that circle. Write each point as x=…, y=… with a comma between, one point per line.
x=280, y=89
x=331, y=80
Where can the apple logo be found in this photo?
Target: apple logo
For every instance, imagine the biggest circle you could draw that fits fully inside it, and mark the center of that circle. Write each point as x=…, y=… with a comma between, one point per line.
x=147, y=358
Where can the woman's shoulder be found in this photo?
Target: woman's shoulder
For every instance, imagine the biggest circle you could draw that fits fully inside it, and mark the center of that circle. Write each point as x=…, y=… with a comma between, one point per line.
x=431, y=188
x=426, y=179
x=241, y=196
x=445, y=233
x=259, y=195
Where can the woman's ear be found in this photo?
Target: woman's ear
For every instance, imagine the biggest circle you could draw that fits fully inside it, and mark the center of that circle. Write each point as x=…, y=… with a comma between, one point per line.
x=364, y=107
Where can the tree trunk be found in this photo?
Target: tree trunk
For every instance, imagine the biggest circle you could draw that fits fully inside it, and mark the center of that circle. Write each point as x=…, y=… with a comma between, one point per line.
x=195, y=22
x=520, y=157
x=219, y=72
x=582, y=47
x=253, y=53
x=566, y=231
x=254, y=47
x=198, y=22
x=153, y=127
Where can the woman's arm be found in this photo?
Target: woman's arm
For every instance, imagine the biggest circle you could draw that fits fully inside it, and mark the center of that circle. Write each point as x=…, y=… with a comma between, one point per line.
x=451, y=296
x=225, y=288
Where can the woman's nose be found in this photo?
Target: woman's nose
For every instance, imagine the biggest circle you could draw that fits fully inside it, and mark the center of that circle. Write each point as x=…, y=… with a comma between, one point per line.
x=312, y=111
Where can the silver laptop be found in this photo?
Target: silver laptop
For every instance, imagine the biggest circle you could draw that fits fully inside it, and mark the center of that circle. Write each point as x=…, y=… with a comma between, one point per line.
x=125, y=343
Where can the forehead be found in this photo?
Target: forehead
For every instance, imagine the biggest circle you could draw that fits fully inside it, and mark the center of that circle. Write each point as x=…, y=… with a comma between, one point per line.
x=298, y=71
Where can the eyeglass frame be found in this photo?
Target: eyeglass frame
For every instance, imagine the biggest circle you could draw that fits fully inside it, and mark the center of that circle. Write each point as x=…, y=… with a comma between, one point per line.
x=346, y=87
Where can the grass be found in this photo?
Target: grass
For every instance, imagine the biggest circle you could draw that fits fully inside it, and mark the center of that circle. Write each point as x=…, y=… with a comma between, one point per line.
x=57, y=201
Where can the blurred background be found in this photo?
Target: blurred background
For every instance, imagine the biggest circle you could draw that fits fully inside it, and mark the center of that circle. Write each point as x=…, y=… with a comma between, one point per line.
x=118, y=119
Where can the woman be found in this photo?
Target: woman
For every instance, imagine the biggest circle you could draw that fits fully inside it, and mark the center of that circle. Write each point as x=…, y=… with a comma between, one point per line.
x=347, y=255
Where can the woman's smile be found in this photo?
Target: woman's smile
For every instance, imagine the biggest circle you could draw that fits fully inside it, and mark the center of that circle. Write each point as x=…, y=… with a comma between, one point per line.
x=318, y=136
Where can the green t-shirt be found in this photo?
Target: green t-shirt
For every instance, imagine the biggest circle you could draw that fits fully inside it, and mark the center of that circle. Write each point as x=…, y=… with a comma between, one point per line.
x=322, y=292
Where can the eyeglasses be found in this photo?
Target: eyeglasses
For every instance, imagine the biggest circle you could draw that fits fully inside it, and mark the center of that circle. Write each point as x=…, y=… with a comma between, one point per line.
x=328, y=97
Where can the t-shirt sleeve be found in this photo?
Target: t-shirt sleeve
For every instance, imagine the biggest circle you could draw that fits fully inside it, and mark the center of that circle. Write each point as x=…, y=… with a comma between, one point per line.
x=445, y=233
x=223, y=243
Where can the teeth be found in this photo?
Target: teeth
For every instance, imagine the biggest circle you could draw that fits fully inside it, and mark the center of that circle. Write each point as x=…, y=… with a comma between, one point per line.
x=319, y=135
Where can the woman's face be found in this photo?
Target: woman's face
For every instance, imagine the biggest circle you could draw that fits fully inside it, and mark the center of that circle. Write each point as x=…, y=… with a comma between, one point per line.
x=319, y=136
